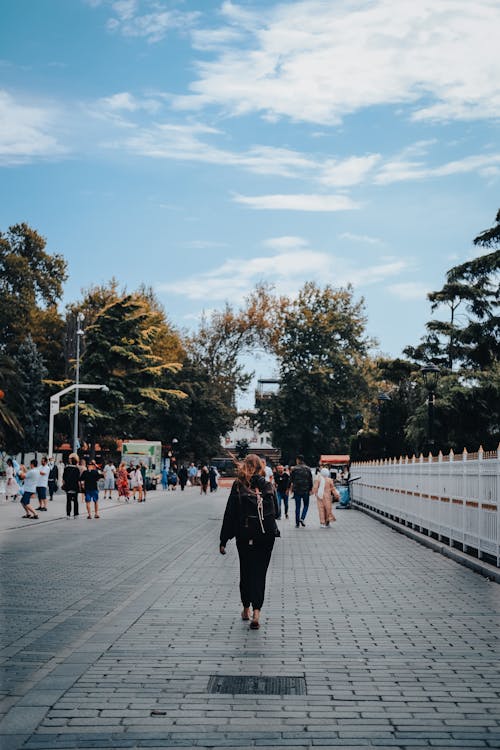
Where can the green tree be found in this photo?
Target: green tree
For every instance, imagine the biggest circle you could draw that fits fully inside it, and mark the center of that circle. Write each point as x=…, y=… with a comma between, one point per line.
x=471, y=335
x=199, y=420
x=30, y=278
x=11, y=430
x=322, y=348
x=33, y=401
x=121, y=353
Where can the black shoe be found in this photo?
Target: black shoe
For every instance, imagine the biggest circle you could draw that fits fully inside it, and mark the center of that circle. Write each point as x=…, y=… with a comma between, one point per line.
x=302, y=522
x=296, y=525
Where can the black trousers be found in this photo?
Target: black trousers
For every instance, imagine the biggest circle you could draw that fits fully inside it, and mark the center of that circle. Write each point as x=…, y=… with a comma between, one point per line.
x=254, y=562
x=71, y=498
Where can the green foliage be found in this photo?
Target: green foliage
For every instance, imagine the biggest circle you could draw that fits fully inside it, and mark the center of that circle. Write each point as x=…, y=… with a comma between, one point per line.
x=11, y=430
x=121, y=353
x=33, y=400
x=322, y=349
x=30, y=278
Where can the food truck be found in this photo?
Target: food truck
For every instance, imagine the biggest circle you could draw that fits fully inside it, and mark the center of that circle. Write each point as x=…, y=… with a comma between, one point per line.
x=146, y=451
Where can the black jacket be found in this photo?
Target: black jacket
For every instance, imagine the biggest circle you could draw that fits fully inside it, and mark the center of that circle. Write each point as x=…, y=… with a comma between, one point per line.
x=241, y=517
x=301, y=479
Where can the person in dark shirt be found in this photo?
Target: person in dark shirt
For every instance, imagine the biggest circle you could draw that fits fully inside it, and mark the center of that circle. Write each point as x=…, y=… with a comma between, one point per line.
x=301, y=483
x=282, y=483
x=89, y=481
x=71, y=485
x=250, y=516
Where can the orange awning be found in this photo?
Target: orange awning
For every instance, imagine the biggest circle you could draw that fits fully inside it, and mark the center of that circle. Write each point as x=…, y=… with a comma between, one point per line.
x=334, y=460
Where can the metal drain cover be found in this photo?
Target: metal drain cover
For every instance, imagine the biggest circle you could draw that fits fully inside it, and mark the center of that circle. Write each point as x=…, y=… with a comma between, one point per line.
x=247, y=685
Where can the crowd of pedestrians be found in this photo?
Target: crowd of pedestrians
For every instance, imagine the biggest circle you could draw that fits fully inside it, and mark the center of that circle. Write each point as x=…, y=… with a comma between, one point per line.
x=37, y=484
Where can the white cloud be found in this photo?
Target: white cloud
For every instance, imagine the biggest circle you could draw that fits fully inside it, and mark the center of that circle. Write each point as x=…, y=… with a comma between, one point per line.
x=318, y=61
x=400, y=170
x=363, y=238
x=285, y=243
x=153, y=25
x=27, y=131
x=298, y=202
x=288, y=269
x=350, y=171
x=409, y=290
x=124, y=101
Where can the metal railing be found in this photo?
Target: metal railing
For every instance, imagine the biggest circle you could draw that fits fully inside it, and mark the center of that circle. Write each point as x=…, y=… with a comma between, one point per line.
x=453, y=498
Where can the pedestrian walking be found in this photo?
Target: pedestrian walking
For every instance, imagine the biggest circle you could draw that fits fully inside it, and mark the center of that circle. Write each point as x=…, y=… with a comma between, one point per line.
x=142, y=469
x=301, y=483
x=282, y=484
x=53, y=477
x=11, y=486
x=89, y=482
x=122, y=481
x=250, y=517
x=30, y=482
x=192, y=474
x=43, y=484
x=109, y=473
x=325, y=491
x=136, y=483
x=172, y=480
x=183, y=477
x=213, y=476
x=204, y=479
x=71, y=485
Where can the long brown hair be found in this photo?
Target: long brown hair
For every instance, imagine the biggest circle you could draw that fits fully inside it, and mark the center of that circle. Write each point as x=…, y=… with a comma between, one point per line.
x=252, y=464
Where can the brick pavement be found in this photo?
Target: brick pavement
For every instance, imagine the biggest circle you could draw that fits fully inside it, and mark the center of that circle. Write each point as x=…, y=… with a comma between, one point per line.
x=112, y=628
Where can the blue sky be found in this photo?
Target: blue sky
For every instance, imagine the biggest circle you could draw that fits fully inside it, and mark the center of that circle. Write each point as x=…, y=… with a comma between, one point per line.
x=201, y=147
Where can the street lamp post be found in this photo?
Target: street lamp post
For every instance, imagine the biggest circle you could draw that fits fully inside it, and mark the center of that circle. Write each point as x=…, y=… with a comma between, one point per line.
x=430, y=374
x=382, y=399
x=54, y=406
x=79, y=334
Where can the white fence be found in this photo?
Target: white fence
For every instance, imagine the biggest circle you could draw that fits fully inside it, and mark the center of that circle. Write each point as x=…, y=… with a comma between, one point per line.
x=452, y=498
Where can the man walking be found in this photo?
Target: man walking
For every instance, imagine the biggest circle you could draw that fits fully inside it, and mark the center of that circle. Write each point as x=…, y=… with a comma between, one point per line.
x=71, y=485
x=301, y=483
x=282, y=483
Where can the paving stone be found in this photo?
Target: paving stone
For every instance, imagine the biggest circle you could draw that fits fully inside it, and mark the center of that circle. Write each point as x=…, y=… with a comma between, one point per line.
x=398, y=646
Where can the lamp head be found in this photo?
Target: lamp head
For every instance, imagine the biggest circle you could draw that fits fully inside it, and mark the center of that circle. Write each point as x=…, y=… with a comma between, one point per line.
x=430, y=374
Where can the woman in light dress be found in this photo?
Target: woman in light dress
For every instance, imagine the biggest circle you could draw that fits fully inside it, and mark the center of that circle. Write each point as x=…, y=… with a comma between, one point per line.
x=11, y=486
x=324, y=489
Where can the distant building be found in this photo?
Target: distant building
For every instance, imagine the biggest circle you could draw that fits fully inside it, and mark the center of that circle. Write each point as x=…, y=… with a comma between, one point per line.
x=258, y=442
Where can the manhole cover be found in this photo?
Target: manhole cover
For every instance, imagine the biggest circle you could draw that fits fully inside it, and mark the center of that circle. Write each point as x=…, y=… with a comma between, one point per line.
x=257, y=685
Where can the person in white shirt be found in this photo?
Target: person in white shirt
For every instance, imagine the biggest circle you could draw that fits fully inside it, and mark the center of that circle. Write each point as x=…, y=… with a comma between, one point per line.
x=42, y=484
x=136, y=482
x=109, y=472
x=30, y=479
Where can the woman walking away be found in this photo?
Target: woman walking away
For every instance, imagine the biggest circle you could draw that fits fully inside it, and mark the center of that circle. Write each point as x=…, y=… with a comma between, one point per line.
x=11, y=486
x=250, y=516
x=324, y=488
x=204, y=477
x=71, y=485
x=122, y=481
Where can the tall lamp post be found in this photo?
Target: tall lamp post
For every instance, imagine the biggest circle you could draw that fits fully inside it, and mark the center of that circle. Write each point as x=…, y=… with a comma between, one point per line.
x=431, y=374
x=382, y=399
x=79, y=334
